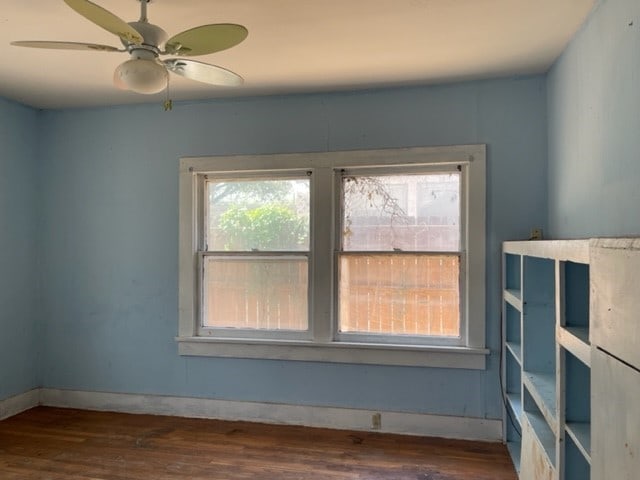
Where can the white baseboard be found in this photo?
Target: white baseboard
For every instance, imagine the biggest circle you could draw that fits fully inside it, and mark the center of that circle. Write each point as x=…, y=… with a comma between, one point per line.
x=19, y=403
x=311, y=416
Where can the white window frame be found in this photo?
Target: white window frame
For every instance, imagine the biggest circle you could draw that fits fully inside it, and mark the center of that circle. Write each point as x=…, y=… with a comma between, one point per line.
x=323, y=343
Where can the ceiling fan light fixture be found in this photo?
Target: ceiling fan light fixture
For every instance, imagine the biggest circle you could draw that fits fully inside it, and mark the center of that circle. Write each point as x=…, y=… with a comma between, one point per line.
x=141, y=76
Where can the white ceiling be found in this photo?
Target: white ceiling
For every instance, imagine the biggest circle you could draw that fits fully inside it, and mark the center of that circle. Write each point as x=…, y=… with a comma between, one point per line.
x=293, y=45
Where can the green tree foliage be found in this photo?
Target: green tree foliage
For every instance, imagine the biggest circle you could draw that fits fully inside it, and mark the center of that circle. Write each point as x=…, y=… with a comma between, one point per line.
x=272, y=226
x=244, y=192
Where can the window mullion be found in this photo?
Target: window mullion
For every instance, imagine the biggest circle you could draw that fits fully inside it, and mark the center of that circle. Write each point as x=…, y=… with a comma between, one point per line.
x=321, y=281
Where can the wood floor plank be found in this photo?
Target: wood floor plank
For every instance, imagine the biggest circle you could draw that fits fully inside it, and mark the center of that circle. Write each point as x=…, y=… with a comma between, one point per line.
x=63, y=444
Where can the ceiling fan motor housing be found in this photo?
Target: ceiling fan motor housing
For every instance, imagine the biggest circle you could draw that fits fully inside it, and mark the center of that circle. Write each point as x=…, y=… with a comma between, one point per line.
x=153, y=36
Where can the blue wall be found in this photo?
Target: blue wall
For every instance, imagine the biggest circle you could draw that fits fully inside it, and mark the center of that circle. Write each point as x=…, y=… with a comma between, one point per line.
x=110, y=234
x=594, y=127
x=102, y=184
x=19, y=288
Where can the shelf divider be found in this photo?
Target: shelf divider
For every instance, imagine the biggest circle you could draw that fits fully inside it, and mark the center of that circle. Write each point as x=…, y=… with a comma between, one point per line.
x=544, y=435
x=580, y=432
x=576, y=340
x=514, y=298
x=515, y=348
x=515, y=404
x=542, y=388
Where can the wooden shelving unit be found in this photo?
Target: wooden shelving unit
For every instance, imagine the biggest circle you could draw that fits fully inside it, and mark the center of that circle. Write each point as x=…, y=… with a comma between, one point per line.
x=547, y=357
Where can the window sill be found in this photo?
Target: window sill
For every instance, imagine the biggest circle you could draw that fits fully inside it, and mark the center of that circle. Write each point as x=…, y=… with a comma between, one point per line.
x=342, y=352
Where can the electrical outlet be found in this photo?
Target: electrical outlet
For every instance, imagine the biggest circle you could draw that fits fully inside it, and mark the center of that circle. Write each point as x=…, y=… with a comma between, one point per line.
x=376, y=421
x=536, y=234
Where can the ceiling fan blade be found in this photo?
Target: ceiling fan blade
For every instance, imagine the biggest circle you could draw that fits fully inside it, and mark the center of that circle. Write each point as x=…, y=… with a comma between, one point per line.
x=206, y=39
x=105, y=19
x=203, y=72
x=67, y=46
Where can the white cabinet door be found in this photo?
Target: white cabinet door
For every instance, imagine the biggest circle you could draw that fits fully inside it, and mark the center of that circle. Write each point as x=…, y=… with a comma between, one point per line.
x=615, y=297
x=615, y=419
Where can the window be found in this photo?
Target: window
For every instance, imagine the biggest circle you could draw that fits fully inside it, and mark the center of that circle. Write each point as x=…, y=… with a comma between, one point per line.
x=255, y=260
x=398, y=271
x=357, y=257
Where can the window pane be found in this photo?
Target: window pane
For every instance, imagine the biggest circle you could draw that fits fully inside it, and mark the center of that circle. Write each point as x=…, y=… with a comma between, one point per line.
x=401, y=212
x=255, y=293
x=400, y=294
x=263, y=215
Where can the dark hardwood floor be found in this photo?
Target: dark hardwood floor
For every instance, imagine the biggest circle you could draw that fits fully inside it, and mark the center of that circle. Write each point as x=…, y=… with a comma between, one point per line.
x=59, y=444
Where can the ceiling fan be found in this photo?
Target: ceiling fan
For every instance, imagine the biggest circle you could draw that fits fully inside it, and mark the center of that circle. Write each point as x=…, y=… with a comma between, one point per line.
x=145, y=42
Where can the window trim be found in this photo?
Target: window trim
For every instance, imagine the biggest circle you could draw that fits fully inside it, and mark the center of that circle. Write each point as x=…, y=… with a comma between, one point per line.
x=323, y=347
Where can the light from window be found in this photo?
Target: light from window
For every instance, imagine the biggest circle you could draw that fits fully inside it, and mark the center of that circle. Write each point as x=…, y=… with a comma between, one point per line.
x=257, y=293
x=400, y=295
x=255, y=267
x=399, y=268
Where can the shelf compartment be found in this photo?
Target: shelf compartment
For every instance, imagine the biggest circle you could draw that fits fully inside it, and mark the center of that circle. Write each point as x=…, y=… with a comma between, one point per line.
x=513, y=327
x=539, y=328
x=513, y=428
x=514, y=403
x=539, y=279
x=577, y=378
x=539, y=339
x=544, y=435
x=515, y=448
x=537, y=450
x=513, y=374
x=580, y=433
x=576, y=294
x=513, y=323
x=574, y=309
x=539, y=359
x=513, y=273
x=541, y=388
x=576, y=466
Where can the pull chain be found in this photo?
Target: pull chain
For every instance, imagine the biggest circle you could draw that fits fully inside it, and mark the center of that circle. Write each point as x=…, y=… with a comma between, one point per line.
x=168, y=103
